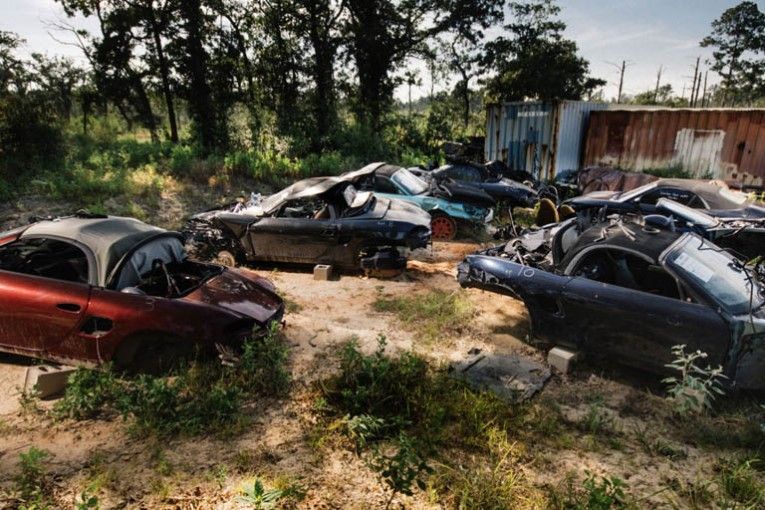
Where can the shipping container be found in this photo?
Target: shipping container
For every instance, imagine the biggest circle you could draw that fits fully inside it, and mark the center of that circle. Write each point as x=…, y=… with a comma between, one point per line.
x=719, y=143
x=543, y=139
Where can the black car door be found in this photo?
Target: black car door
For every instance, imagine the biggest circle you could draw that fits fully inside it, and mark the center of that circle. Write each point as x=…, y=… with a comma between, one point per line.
x=294, y=237
x=635, y=319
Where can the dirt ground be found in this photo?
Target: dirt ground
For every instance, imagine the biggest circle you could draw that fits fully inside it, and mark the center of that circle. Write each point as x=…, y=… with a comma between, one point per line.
x=203, y=473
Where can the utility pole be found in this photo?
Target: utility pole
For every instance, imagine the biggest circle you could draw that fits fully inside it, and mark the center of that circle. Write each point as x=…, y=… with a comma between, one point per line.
x=704, y=95
x=696, y=77
x=621, y=77
x=656, y=90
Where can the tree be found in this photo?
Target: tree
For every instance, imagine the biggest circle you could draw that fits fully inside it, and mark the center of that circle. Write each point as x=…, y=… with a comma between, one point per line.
x=738, y=36
x=383, y=35
x=536, y=62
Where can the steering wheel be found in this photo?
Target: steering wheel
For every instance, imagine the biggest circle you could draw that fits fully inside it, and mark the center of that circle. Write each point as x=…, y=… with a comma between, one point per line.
x=171, y=285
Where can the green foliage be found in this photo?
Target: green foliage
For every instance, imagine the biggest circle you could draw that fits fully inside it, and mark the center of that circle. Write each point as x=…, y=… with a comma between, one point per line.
x=739, y=485
x=737, y=38
x=87, y=392
x=262, y=366
x=377, y=385
x=672, y=172
x=258, y=497
x=432, y=316
x=29, y=400
x=403, y=469
x=596, y=493
x=536, y=61
x=695, y=388
x=87, y=499
x=496, y=483
x=31, y=485
x=202, y=398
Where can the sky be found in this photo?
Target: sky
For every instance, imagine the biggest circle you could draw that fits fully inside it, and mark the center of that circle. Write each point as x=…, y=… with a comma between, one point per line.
x=647, y=34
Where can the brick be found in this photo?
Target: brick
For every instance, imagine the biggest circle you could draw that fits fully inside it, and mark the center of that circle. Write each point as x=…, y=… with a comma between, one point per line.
x=322, y=272
x=562, y=359
x=49, y=379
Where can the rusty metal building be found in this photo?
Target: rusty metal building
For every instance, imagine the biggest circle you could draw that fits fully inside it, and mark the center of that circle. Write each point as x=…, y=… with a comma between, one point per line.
x=543, y=139
x=723, y=143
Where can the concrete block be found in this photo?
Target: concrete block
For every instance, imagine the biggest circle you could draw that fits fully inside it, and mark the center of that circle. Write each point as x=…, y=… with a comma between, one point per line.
x=322, y=272
x=49, y=379
x=562, y=359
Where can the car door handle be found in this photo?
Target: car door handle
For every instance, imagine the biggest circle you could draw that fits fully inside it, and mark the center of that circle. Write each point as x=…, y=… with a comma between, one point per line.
x=69, y=307
x=328, y=232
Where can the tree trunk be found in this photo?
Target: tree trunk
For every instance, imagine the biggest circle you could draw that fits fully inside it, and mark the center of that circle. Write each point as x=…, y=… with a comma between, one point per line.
x=200, y=103
x=164, y=73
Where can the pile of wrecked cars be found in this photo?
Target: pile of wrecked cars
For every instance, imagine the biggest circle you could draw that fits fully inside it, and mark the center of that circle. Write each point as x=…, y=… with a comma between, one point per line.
x=629, y=279
x=90, y=289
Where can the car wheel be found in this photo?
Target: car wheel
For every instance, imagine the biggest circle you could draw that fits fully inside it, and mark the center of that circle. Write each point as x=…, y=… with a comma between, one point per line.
x=159, y=355
x=443, y=227
x=226, y=258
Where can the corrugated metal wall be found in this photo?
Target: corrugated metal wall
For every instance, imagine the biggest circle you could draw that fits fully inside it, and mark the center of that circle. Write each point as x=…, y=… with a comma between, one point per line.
x=540, y=138
x=724, y=144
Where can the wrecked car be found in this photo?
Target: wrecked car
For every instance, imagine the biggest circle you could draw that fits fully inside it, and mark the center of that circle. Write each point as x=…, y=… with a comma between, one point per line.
x=505, y=191
x=321, y=220
x=87, y=290
x=716, y=200
x=630, y=293
x=447, y=203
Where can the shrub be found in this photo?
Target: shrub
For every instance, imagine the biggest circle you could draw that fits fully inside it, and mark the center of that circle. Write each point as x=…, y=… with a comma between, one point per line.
x=203, y=397
x=695, y=388
x=31, y=485
x=87, y=393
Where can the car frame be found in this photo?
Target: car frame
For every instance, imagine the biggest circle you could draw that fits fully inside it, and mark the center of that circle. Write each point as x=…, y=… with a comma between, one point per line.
x=717, y=200
x=630, y=294
x=320, y=220
x=92, y=289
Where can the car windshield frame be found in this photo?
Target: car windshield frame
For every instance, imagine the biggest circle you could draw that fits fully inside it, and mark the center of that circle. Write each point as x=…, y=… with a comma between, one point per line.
x=410, y=182
x=273, y=202
x=713, y=272
x=627, y=196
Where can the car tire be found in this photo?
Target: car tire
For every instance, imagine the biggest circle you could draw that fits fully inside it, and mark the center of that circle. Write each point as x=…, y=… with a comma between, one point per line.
x=225, y=258
x=159, y=356
x=443, y=227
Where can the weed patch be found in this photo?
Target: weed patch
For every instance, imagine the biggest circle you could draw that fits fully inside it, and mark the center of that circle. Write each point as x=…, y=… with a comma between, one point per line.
x=202, y=398
x=431, y=316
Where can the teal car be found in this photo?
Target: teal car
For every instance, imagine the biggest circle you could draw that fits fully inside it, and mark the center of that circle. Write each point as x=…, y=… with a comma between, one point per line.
x=448, y=203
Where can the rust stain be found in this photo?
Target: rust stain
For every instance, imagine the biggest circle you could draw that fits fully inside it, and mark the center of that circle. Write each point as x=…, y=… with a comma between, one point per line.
x=720, y=143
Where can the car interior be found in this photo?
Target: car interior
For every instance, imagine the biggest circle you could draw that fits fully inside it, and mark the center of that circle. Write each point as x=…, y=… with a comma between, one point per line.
x=624, y=269
x=49, y=258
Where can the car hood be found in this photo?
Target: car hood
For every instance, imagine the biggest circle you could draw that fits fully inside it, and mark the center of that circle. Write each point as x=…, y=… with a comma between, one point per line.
x=243, y=293
x=454, y=192
x=402, y=210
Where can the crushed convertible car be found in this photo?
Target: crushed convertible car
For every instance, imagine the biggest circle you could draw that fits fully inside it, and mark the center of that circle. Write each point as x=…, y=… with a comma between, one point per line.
x=505, y=191
x=447, y=203
x=321, y=220
x=92, y=289
x=716, y=200
x=630, y=293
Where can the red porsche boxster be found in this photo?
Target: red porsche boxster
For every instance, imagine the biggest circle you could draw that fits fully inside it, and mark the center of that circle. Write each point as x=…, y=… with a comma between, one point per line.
x=90, y=289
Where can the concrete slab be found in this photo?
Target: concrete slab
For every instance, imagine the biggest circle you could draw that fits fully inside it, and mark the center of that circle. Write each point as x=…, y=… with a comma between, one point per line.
x=512, y=378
